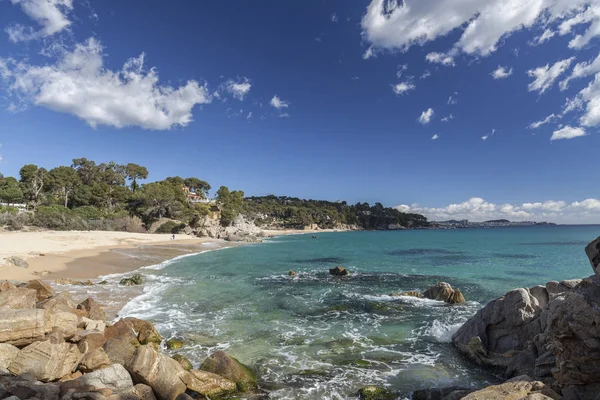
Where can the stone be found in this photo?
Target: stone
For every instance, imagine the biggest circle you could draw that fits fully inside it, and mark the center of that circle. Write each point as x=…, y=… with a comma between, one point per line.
x=541, y=294
x=46, y=361
x=182, y=396
x=163, y=374
x=209, y=384
x=44, y=291
x=449, y=393
x=592, y=250
x=29, y=389
x=65, y=321
x=115, y=377
x=120, y=351
x=410, y=293
x=134, y=280
x=17, y=262
x=6, y=285
x=175, y=344
x=375, y=393
x=228, y=367
x=339, y=271
x=91, y=325
x=94, y=360
x=522, y=388
x=22, y=327
x=61, y=302
x=88, y=341
x=8, y=353
x=182, y=360
x=143, y=392
x=292, y=273
x=501, y=330
x=146, y=332
x=93, y=309
x=18, y=298
x=443, y=291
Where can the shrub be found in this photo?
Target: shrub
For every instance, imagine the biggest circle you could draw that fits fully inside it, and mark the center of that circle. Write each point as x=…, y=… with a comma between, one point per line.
x=59, y=218
x=89, y=213
x=14, y=222
x=171, y=227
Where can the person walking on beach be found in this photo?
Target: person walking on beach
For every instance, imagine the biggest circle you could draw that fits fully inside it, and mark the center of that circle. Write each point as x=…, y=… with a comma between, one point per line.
x=173, y=237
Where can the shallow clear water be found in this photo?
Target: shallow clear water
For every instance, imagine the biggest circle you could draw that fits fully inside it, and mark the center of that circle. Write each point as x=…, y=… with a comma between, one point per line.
x=319, y=337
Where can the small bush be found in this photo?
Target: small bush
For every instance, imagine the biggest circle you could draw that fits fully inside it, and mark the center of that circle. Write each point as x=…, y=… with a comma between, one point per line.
x=9, y=210
x=171, y=227
x=89, y=213
x=59, y=218
x=14, y=222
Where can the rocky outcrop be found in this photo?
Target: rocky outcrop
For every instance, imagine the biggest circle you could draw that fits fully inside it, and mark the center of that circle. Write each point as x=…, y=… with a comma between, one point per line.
x=133, y=280
x=146, y=332
x=46, y=361
x=522, y=387
x=22, y=327
x=18, y=298
x=444, y=292
x=228, y=367
x=93, y=310
x=43, y=290
x=209, y=384
x=593, y=252
x=339, y=271
x=551, y=333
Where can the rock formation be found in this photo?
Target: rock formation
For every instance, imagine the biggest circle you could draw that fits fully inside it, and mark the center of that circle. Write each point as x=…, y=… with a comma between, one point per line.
x=339, y=271
x=444, y=292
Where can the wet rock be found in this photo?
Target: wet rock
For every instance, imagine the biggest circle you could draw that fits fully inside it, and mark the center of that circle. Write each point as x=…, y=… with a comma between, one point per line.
x=209, y=384
x=8, y=353
x=146, y=332
x=339, y=271
x=228, y=367
x=444, y=292
x=183, y=361
x=18, y=298
x=22, y=327
x=116, y=378
x=292, y=273
x=44, y=291
x=136, y=279
x=522, y=387
x=163, y=374
x=592, y=250
x=410, y=293
x=174, y=344
x=17, y=262
x=93, y=309
x=46, y=361
x=375, y=393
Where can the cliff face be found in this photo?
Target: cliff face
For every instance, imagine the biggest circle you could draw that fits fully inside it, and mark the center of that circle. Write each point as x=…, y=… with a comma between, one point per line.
x=550, y=333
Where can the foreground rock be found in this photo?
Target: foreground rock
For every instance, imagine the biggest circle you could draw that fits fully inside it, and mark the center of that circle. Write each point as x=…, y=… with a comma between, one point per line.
x=339, y=271
x=228, y=367
x=18, y=298
x=593, y=252
x=116, y=378
x=22, y=327
x=522, y=387
x=376, y=393
x=46, y=361
x=444, y=292
x=449, y=393
x=550, y=333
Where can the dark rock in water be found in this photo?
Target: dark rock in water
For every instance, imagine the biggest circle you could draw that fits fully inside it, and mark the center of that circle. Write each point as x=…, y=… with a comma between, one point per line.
x=183, y=361
x=449, y=393
x=410, y=293
x=132, y=281
x=593, y=252
x=444, y=292
x=175, y=344
x=292, y=273
x=228, y=367
x=376, y=393
x=103, y=283
x=339, y=271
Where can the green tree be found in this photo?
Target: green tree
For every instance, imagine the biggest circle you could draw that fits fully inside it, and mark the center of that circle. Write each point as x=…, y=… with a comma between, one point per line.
x=10, y=190
x=32, y=180
x=197, y=186
x=133, y=173
x=230, y=203
x=62, y=181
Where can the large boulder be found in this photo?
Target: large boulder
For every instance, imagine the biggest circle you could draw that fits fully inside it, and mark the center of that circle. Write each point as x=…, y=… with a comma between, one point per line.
x=444, y=292
x=66, y=322
x=46, y=361
x=228, y=367
x=8, y=353
x=61, y=302
x=44, y=291
x=501, y=333
x=593, y=252
x=182, y=360
x=209, y=384
x=146, y=332
x=18, y=298
x=22, y=327
x=17, y=262
x=121, y=342
x=115, y=378
x=94, y=360
x=522, y=388
x=163, y=374
x=93, y=309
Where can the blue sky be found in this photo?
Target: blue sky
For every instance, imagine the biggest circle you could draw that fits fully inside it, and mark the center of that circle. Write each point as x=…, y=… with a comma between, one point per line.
x=361, y=101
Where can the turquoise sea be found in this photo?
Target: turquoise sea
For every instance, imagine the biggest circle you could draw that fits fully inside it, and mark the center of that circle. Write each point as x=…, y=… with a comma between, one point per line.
x=319, y=337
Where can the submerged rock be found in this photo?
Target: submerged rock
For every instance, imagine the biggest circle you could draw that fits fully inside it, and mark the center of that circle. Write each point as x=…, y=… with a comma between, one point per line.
x=339, y=271
x=444, y=292
x=375, y=393
x=175, y=344
x=228, y=367
x=292, y=273
x=134, y=280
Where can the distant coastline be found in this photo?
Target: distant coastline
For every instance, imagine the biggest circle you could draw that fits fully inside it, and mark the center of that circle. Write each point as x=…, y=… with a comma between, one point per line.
x=496, y=223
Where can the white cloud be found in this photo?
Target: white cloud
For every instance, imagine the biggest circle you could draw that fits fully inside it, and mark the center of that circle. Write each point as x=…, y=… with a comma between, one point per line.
x=278, y=103
x=452, y=101
x=51, y=15
x=591, y=97
x=426, y=74
x=284, y=115
x=334, y=17
x=435, y=137
x=403, y=88
x=581, y=70
x=369, y=53
x=448, y=118
x=546, y=76
x=502, y=72
x=550, y=118
x=440, y=58
x=239, y=89
x=79, y=84
x=249, y=116
x=426, y=116
x=544, y=37
x=483, y=24
x=478, y=209
x=489, y=135
x=567, y=132
x=401, y=69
